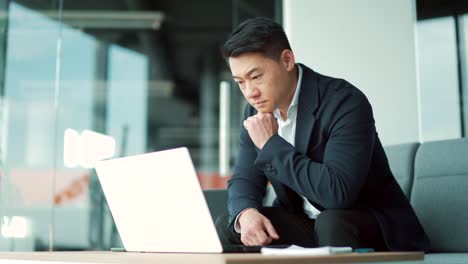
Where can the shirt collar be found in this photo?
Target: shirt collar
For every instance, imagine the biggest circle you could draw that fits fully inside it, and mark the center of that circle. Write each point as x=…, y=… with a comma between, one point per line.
x=295, y=99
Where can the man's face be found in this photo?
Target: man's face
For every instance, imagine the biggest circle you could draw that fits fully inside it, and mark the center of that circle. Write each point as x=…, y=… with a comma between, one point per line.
x=262, y=80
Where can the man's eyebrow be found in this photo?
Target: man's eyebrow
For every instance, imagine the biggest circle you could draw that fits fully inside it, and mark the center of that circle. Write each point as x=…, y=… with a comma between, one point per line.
x=248, y=73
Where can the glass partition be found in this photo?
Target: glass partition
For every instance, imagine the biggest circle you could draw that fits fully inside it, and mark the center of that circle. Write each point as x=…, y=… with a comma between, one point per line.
x=438, y=79
x=28, y=133
x=82, y=81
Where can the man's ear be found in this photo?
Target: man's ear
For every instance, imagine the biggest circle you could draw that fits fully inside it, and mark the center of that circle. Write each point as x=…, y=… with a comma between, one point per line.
x=287, y=59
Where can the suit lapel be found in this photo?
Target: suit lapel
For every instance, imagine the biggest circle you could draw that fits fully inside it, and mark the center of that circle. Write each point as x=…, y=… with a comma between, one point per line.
x=308, y=103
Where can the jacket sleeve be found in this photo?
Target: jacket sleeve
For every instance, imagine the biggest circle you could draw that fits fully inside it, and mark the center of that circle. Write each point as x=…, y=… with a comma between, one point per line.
x=247, y=186
x=336, y=181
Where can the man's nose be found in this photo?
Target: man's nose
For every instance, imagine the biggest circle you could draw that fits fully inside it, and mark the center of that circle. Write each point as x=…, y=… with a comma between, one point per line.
x=251, y=91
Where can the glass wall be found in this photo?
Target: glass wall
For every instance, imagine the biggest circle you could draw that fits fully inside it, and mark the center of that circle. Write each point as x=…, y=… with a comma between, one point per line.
x=438, y=79
x=463, y=47
x=29, y=110
x=442, y=37
x=87, y=80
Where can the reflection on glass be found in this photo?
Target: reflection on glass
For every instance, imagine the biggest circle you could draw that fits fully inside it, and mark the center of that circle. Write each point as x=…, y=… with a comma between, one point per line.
x=86, y=148
x=71, y=148
x=127, y=99
x=75, y=111
x=15, y=227
x=28, y=143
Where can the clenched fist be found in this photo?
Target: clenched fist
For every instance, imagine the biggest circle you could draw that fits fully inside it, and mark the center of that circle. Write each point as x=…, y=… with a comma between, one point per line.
x=261, y=127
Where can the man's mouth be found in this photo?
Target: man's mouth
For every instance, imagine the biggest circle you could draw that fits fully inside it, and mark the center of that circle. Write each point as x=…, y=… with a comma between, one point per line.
x=260, y=104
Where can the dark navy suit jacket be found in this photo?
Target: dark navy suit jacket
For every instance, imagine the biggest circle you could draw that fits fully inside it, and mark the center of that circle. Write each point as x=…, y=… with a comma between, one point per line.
x=338, y=162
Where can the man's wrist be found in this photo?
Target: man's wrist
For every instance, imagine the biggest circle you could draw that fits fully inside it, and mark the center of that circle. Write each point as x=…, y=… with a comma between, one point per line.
x=268, y=139
x=237, y=226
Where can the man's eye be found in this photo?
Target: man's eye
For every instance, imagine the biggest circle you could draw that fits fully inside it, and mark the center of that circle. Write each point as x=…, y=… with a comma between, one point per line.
x=256, y=77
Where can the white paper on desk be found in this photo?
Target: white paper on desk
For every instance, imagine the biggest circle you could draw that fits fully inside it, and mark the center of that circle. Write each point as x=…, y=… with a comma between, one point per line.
x=301, y=251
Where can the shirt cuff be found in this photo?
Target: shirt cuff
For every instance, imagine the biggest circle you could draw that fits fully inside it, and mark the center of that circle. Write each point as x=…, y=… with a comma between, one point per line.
x=237, y=227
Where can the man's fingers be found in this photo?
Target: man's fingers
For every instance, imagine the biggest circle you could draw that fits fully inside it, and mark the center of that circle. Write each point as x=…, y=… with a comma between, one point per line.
x=257, y=239
x=271, y=230
x=252, y=240
x=248, y=242
x=263, y=238
x=245, y=241
x=265, y=115
x=249, y=238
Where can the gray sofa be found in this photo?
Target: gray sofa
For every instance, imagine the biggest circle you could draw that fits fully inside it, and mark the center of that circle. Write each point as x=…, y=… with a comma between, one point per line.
x=434, y=177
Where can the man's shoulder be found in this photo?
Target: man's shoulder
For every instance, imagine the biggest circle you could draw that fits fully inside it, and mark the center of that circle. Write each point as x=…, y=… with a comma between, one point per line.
x=331, y=87
x=334, y=94
x=311, y=76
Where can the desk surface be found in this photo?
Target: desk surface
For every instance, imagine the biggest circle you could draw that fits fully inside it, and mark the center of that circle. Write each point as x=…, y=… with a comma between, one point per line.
x=136, y=258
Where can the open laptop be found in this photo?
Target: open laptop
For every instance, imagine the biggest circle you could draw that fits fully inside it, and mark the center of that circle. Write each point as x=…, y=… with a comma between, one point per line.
x=158, y=204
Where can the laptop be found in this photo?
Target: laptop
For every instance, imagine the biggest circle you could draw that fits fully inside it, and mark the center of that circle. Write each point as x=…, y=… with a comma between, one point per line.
x=158, y=205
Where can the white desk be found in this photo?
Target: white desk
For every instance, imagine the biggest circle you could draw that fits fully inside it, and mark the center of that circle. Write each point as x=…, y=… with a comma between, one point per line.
x=169, y=258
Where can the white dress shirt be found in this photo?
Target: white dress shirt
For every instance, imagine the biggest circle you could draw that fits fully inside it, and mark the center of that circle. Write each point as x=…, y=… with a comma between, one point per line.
x=287, y=130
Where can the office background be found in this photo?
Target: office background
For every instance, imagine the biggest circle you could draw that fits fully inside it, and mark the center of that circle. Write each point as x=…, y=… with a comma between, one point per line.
x=84, y=80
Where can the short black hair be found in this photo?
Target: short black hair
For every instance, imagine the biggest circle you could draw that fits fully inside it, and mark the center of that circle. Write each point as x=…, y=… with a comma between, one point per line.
x=258, y=35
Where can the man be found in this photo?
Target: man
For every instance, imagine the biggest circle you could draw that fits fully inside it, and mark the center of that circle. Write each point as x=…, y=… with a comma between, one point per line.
x=313, y=138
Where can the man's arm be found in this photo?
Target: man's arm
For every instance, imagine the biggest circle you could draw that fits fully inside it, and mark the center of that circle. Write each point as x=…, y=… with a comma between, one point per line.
x=337, y=181
x=247, y=186
x=246, y=190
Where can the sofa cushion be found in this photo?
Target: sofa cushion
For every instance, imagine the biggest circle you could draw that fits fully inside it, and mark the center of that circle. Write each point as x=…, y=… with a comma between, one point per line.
x=446, y=258
x=435, y=258
x=440, y=193
x=401, y=160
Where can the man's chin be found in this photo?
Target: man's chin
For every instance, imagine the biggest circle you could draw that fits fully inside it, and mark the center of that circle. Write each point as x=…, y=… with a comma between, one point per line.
x=263, y=109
